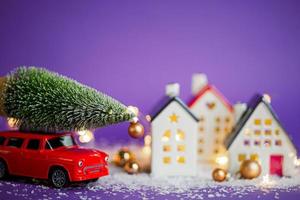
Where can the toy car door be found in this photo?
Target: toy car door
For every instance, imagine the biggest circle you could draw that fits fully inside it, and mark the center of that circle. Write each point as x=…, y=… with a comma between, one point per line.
x=14, y=155
x=34, y=159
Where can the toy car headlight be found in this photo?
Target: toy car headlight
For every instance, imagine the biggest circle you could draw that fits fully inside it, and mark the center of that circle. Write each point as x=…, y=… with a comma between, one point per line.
x=106, y=158
x=80, y=163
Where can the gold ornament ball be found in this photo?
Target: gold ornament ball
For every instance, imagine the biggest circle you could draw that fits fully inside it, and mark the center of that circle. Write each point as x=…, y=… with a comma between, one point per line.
x=122, y=157
x=219, y=175
x=136, y=130
x=132, y=167
x=250, y=169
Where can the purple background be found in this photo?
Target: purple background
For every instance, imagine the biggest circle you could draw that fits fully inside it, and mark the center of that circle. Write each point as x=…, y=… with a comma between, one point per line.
x=131, y=49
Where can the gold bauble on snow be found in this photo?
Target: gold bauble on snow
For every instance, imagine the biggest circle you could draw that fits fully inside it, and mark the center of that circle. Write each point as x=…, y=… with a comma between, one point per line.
x=123, y=156
x=250, y=169
x=132, y=167
x=219, y=175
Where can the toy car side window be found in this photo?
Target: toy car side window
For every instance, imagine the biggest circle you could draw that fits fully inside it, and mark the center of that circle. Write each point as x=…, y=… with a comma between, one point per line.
x=15, y=142
x=33, y=144
x=2, y=140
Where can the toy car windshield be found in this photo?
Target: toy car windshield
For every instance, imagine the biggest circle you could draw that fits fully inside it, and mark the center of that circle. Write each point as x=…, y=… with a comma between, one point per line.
x=63, y=141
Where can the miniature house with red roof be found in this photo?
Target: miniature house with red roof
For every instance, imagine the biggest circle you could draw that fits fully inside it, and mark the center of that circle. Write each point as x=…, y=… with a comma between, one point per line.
x=260, y=136
x=174, y=137
x=216, y=118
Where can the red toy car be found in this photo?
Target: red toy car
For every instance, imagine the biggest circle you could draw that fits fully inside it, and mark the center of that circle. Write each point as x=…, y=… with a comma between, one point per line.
x=49, y=156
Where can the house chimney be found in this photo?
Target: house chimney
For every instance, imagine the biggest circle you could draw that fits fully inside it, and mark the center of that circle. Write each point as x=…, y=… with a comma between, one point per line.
x=199, y=81
x=239, y=109
x=172, y=89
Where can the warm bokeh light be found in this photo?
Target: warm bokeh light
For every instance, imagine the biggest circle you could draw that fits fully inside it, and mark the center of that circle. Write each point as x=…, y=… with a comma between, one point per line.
x=85, y=136
x=11, y=122
x=222, y=160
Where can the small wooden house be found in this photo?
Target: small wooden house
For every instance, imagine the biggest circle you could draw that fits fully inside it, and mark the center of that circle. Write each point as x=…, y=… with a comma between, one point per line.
x=216, y=119
x=260, y=136
x=174, y=137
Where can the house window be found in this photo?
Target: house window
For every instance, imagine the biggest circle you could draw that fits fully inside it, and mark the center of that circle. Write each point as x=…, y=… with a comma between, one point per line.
x=257, y=142
x=268, y=122
x=201, y=141
x=181, y=147
x=246, y=142
x=218, y=119
x=277, y=132
x=227, y=130
x=247, y=131
x=180, y=159
x=217, y=129
x=200, y=151
x=257, y=121
x=254, y=157
x=201, y=119
x=180, y=135
x=167, y=135
x=216, y=151
x=167, y=160
x=201, y=128
x=241, y=157
x=167, y=148
x=257, y=132
x=227, y=119
x=217, y=141
x=278, y=142
x=267, y=143
x=268, y=132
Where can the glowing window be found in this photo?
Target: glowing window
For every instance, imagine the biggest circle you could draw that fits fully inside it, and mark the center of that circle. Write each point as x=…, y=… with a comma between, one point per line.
x=246, y=142
x=201, y=119
x=167, y=160
x=277, y=131
x=200, y=151
x=227, y=119
x=201, y=141
x=257, y=132
x=247, y=131
x=268, y=122
x=167, y=148
x=167, y=135
x=268, y=132
x=217, y=129
x=278, y=142
x=257, y=122
x=180, y=135
x=216, y=151
x=267, y=143
x=227, y=130
x=217, y=141
x=181, y=159
x=241, y=157
x=201, y=128
x=181, y=147
x=257, y=142
x=218, y=119
x=254, y=157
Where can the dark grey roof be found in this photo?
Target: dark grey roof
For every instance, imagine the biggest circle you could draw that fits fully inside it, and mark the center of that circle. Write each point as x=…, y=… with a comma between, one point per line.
x=164, y=102
x=252, y=105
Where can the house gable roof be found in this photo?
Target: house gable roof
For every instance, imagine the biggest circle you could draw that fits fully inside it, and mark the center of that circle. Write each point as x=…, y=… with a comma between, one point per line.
x=215, y=91
x=252, y=105
x=164, y=102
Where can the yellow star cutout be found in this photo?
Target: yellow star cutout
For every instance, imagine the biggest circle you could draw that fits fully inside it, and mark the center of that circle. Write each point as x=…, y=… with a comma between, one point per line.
x=174, y=118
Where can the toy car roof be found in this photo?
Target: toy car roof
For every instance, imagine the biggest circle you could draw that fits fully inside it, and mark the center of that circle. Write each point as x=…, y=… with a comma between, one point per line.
x=16, y=133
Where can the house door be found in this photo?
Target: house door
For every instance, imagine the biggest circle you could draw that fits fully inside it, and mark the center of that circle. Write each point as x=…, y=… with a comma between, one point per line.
x=276, y=163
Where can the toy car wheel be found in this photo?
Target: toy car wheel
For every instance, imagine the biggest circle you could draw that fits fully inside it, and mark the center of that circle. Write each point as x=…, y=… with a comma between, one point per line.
x=59, y=177
x=3, y=169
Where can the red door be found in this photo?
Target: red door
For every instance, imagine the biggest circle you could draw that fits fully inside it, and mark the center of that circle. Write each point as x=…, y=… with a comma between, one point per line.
x=276, y=162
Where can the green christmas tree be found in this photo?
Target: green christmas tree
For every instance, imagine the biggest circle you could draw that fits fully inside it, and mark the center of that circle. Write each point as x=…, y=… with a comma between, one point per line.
x=44, y=101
